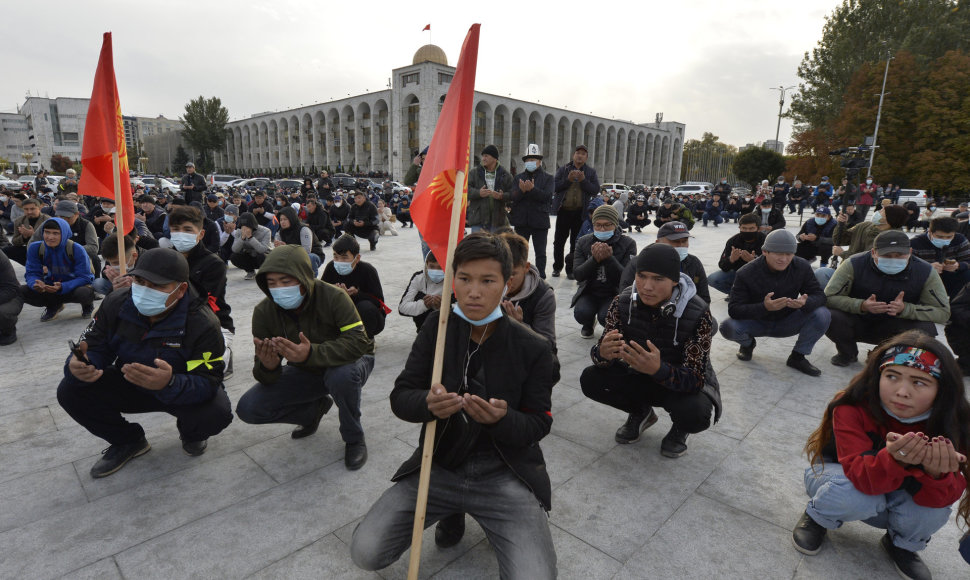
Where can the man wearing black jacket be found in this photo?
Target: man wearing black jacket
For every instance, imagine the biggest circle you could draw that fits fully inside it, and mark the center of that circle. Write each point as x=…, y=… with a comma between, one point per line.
x=325, y=186
x=489, y=190
x=675, y=234
x=600, y=258
x=777, y=295
x=492, y=406
x=769, y=218
x=192, y=185
x=739, y=250
x=362, y=220
x=576, y=184
x=532, y=190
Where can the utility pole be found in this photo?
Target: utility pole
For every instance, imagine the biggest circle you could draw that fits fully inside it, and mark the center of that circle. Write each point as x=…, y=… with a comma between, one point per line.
x=882, y=95
x=781, y=104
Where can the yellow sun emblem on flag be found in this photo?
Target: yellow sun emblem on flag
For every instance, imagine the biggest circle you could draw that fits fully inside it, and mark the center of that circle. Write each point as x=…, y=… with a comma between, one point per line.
x=442, y=188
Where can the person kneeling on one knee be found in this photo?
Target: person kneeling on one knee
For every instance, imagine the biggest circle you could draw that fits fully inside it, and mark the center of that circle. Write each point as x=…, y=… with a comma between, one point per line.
x=777, y=295
x=891, y=451
x=315, y=327
x=156, y=346
x=655, y=351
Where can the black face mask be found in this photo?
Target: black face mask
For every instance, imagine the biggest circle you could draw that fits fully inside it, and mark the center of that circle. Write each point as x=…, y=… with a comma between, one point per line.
x=749, y=236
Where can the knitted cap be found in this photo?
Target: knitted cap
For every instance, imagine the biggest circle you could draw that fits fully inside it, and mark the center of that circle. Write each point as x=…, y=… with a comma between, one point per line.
x=660, y=259
x=606, y=212
x=780, y=241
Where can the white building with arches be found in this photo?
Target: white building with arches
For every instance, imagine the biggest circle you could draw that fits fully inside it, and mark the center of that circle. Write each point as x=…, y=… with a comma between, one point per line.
x=381, y=131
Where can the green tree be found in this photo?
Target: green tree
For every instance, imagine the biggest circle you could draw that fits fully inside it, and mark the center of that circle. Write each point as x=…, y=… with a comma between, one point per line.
x=205, y=129
x=181, y=157
x=61, y=163
x=853, y=35
x=757, y=163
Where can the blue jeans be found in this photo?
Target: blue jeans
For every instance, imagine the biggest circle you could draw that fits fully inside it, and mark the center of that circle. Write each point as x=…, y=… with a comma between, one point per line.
x=722, y=280
x=315, y=263
x=590, y=308
x=809, y=326
x=713, y=216
x=102, y=286
x=295, y=396
x=834, y=501
x=823, y=275
x=483, y=487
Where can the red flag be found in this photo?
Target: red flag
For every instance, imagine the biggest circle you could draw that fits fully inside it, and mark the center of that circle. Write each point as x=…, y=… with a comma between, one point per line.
x=104, y=134
x=447, y=155
x=426, y=27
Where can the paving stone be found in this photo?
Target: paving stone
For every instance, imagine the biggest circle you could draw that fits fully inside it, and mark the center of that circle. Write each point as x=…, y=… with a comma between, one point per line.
x=101, y=570
x=46, y=450
x=71, y=539
x=39, y=494
x=326, y=558
x=14, y=426
x=706, y=539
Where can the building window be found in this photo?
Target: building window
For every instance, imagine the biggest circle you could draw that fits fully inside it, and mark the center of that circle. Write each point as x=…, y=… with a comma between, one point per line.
x=444, y=78
x=412, y=78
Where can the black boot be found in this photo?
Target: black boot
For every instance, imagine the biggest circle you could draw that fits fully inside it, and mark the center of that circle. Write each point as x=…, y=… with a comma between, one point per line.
x=674, y=443
x=808, y=535
x=797, y=360
x=449, y=530
x=745, y=352
x=908, y=564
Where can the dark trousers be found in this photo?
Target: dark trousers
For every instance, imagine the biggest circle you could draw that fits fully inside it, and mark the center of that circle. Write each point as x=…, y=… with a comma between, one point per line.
x=98, y=407
x=808, y=251
x=848, y=329
x=247, y=262
x=633, y=392
x=83, y=295
x=956, y=337
x=16, y=254
x=369, y=233
x=9, y=311
x=372, y=316
x=639, y=222
x=539, y=240
x=294, y=397
x=590, y=308
x=404, y=217
x=568, y=224
x=955, y=281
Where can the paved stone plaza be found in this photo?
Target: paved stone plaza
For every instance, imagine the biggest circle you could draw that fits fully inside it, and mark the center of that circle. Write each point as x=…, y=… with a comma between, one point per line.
x=259, y=504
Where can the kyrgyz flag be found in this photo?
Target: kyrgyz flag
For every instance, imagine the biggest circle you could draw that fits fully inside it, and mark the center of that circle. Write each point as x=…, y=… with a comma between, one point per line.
x=447, y=155
x=104, y=134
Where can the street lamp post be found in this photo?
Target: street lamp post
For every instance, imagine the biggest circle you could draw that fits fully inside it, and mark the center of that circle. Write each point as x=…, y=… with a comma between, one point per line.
x=781, y=104
x=882, y=95
x=27, y=155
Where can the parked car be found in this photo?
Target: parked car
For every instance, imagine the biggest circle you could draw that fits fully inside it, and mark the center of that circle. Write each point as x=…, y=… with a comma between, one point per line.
x=257, y=183
x=11, y=184
x=399, y=188
x=217, y=180
x=693, y=189
x=917, y=195
x=288, y=183
x=160, y=184
x=617, y=189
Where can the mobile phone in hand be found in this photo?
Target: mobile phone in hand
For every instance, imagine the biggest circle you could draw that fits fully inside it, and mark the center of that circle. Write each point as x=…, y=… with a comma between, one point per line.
x=77, y=352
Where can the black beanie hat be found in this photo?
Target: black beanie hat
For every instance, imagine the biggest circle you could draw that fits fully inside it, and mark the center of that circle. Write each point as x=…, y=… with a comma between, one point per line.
x=490, y=150
x=660, y=259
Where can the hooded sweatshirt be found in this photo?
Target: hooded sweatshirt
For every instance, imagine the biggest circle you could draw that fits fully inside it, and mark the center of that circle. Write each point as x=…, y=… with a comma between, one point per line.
x=71, y=272
x=327, y=317
x=538, y=302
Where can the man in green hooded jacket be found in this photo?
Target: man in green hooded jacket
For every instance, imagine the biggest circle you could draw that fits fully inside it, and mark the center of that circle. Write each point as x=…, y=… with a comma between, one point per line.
x=316, y=329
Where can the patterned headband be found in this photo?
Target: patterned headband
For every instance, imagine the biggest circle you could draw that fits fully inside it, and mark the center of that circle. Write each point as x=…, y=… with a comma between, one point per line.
x=912, y=357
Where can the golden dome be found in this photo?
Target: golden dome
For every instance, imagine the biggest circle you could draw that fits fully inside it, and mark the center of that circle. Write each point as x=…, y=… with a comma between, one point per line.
x=432, y=53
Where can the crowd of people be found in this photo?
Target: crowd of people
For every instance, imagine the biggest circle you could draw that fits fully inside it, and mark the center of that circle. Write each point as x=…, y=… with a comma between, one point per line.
x=890, y=450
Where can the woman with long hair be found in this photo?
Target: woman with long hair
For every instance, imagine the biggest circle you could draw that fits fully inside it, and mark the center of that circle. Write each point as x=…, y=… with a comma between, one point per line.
x=891, y=451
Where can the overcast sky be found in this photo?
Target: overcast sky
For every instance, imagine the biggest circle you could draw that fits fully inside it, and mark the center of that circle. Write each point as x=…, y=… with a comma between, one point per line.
x=706, y=63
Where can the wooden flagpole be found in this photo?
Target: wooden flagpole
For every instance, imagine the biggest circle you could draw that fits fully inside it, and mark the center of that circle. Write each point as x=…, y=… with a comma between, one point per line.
x=424, y=481
x=119, y=213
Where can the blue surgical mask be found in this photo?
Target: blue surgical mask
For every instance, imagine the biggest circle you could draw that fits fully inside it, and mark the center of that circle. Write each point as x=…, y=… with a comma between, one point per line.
x=683, y=253
x=287, y=297
x=877, y=218
x=148, y=301
x=821, y=221
x=495, y=315
x=766, y=210
x=230, y=219
x=603, y=236
x=184, y=242
x=932, y=208
x=892, y=265
x=530, y=166
x=825, y=183
x=940, y=243
x=343, y=268
x=436, y=276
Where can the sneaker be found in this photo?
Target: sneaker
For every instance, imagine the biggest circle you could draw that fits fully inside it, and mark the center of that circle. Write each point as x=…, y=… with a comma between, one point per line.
x=250, y=275
x=908, y=564
x=638, y=229
x=195, y=448
x=635, y=424
x=587, y=331
x=98, y=296
x=555, y=273
x=8, y=338
x=674, y=443
x=51, y=313
x=373, y=245
x=355, y=455
x=227, y=374
x=745, y=352
x=449, y=530
x=569, y=276
x=797, y=360
x=87, y=311
x=309, y=429
x=843, y=360
x=116, y=456
x=808, y=535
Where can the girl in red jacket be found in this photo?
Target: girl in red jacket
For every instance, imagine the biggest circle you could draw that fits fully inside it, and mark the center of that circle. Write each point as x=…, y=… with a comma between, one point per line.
x=891, y=451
